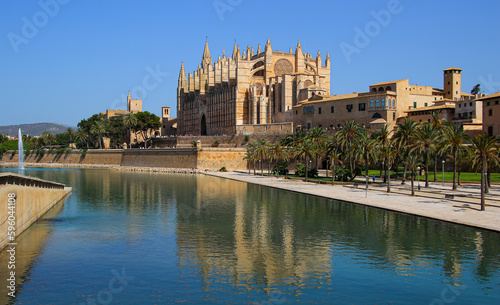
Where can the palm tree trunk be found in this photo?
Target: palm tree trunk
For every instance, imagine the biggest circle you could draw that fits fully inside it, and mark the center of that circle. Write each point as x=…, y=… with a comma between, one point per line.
x=306, y=169
x=454, y=170
x=404, y=174
x=488, y=180
x=435, y=167
x=388, y=176
x=483, y=185
x=412, y=179
x=333, y=172
x=427, y=171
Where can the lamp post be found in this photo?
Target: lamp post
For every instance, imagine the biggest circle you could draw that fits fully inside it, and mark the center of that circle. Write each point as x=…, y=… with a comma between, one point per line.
x=418, y=175
x=260, y=166
x=443, y=170
x=366, y=191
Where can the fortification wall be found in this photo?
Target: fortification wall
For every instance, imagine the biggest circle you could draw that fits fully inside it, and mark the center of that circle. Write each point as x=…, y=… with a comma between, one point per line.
x=30, y=204
x=215, y=158
x=170, y=158
x=105, y=157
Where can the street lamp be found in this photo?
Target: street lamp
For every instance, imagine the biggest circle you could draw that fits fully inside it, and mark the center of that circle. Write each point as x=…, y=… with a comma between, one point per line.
x=443, y=170
x=418, y=175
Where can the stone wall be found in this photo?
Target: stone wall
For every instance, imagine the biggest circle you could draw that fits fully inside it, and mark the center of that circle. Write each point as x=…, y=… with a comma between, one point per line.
x=189, y=157
x=31, y=204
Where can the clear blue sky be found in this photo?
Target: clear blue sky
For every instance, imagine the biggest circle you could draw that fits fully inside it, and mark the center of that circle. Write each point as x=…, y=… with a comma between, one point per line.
x=82, y=57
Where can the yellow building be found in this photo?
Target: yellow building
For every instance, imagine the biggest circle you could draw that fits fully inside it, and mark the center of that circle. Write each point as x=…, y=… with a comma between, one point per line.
x=491, y=114
x=384, y=103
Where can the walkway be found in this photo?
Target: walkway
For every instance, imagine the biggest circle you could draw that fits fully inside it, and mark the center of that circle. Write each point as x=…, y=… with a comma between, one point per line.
x=430, y=202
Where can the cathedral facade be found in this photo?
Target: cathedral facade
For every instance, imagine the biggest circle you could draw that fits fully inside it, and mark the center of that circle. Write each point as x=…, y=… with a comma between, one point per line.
x=248, y=89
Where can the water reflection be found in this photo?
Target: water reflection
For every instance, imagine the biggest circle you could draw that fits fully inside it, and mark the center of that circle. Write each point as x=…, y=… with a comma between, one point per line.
x=200, y=239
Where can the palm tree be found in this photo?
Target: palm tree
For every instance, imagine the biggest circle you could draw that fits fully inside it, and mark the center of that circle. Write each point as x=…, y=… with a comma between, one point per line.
x=130, y=121
x=484, y=153
x=438, y=124
x=318, y=137
x=304, y=151
x=403, y=138
x=98, y=129
x=250, y=157
x=261, y=152
x=278, y=152
x=366, y=148
x=82, y=137
x=413, y=160
x=383, y=137
x=426, y=138
x=452, y=142
x=70, y=132
x=388, y=153
x=346, y=136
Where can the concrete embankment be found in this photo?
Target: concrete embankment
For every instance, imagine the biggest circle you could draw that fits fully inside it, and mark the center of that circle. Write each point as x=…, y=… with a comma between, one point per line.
x=25, y=200
x=440, y=209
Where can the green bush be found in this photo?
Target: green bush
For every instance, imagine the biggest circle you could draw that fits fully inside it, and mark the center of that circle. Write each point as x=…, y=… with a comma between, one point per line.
x=281, y=168
x=223, y=169
x=13, y=153
x=247, y=138
x=69, y=150
x=84, y=153
x=60, y=151
x=300, y=170
x=50, y=151
x=40, y=152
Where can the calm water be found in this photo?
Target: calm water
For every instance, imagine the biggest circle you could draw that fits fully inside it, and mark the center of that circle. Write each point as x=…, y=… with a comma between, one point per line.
x=198, y=240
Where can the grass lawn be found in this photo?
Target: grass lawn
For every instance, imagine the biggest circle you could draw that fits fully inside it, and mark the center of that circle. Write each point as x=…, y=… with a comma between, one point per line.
x=448, y=176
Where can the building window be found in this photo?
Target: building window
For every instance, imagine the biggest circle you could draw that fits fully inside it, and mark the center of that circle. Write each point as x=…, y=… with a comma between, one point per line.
x=377, y=103
x=383, y=103
x=488, y=104
x=496, y=102
x=349, y=107
x=490, y=130
x=459, y=105
x=371, y=104
x=490, y=112
x=414, y=104
x=319, y=110
x=394, y=116
x=425, y=104
x=470, y=104
x=320, y=125
x=362, y=106
x=449, y=83
x=296, y=112
x=331, y=109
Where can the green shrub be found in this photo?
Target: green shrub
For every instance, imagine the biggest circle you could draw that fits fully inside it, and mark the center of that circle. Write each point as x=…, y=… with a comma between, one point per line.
x=223, y=169
x=300, y=170
x=13, y=153
x=69, y=150
x=84, y=153
x=281, y=168
x=60, y=151
x=40, y=152
x=247, y=138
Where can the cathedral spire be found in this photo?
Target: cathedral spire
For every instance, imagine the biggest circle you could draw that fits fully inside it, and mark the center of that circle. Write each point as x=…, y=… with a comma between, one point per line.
x=268, y=46
x=235, y=51
x=258, y=49
x=206, y=59
x=299, y=47
x=327, y=61
x=182, y=77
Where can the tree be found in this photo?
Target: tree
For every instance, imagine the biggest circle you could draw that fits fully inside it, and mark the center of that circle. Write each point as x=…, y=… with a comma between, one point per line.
x=426, y=138
x=278, y=152
x=129, y=121
x=98, y=129
x=8, y=145
x=304, y=151
x=413, y=160
x=318, y=137
x=82, y=137
x=383, y=137
x=484, y=153
x=452, y=142
x=261, y=151
x=438, y=124
x=476, y=89
x=345, y=137
x=70, y=132
x=3, y=138
x=146, y=124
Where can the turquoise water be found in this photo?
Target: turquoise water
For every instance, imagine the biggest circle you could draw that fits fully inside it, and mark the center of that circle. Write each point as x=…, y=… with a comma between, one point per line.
x=194, y=239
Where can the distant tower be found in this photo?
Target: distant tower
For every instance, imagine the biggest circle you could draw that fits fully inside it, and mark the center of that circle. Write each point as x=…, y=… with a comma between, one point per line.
x=453, y=83
x=165, y=112
x=133, y=106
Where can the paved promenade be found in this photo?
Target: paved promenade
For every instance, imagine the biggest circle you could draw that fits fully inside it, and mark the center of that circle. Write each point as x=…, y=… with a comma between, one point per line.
x=429, y=202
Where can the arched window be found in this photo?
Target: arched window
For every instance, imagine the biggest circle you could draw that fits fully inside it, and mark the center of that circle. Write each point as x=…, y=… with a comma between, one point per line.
x=371, y=104
x=383, y=103
x=374, y=89
x=377, y=116
x=381, y=89
x=377, y=103
x=389, y=88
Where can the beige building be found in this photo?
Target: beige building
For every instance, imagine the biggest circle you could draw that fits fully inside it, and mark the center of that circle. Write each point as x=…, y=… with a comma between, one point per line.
x=384, y=103
x=168, y=124
x=491, y=114
x=249, y=88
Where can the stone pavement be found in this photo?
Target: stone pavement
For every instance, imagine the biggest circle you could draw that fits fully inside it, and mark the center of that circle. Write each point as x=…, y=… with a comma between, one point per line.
x=430, y=202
